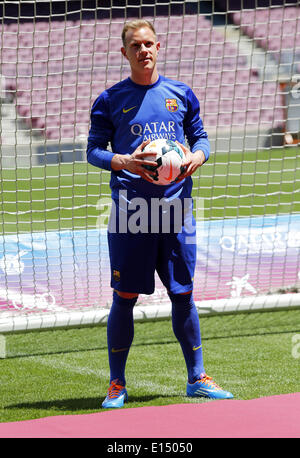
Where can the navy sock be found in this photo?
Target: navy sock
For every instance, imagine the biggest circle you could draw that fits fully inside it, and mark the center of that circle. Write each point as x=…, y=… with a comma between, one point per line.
x=120, y=333
x=186, y=327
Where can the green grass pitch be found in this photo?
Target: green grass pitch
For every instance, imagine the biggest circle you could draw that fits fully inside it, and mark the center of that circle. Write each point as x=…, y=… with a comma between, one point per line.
x=66, y=371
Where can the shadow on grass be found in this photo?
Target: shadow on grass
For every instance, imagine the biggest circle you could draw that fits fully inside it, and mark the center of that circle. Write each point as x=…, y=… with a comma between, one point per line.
x=89, y=404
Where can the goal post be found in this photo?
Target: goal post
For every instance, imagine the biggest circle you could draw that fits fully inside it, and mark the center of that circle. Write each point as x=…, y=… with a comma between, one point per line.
x=243, y=65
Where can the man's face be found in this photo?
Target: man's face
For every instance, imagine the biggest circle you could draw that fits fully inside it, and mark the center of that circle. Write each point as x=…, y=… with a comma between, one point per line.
x=141, y=49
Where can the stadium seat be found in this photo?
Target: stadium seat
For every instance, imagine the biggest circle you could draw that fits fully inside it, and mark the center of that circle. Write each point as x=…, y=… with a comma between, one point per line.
x=274, y=29
x=60, y=67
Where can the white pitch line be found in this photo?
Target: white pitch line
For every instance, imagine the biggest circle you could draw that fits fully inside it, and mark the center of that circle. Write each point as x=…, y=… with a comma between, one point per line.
x=57, y=363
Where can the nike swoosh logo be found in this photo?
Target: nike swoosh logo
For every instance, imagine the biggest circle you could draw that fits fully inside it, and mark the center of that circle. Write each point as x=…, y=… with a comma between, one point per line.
x=171, y=172
x=125, y=110
x=116, y=350
x=196, y=348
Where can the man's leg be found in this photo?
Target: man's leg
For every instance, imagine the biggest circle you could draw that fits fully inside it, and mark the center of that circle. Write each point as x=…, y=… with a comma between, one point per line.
x=120, y=332
x=129, y=272
x=186, y=327
x=176, y=267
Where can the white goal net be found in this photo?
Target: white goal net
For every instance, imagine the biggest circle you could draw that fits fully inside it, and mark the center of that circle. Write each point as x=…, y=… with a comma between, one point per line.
x=244, y=66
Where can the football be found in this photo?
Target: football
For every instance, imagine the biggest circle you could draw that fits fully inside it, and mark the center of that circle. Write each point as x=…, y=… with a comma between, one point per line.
x=169, y=158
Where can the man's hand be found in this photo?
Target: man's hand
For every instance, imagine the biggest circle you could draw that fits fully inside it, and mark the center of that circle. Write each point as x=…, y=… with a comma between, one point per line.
x=192, y=161
x=134, y=162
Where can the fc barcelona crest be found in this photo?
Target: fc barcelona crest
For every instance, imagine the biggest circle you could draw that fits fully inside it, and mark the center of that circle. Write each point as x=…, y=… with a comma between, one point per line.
x=171, y=105
x=116, y=275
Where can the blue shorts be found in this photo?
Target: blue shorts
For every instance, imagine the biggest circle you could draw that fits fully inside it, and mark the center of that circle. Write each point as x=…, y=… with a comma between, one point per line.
x=134, y=258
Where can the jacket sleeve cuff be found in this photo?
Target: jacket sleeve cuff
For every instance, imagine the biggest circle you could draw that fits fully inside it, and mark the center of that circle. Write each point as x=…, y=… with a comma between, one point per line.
x=101, y=158
x=203, y=146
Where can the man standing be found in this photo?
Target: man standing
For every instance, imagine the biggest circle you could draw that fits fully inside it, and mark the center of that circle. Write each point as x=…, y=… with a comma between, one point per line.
x=128, y=115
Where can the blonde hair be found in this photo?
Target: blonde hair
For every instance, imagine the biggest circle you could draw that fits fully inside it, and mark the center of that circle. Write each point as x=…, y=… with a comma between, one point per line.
x=136, y=24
